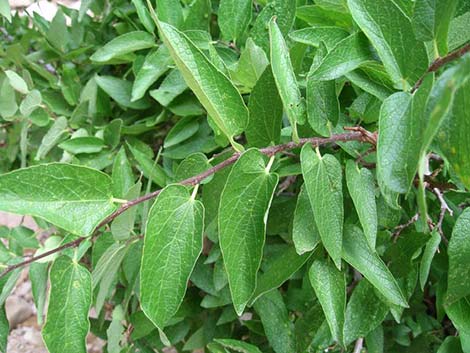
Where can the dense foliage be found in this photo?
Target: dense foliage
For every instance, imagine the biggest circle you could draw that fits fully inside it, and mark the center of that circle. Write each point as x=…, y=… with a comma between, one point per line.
x=237, y=175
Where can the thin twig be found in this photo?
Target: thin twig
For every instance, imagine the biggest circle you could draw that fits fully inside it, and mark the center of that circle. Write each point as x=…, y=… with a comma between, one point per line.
x=401, y=227
x=444, y=208
x=286, y=184
x=356, y=135
x=439, y=62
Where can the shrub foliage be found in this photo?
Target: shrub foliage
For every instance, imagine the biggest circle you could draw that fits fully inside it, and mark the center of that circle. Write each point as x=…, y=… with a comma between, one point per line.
x=237, y=175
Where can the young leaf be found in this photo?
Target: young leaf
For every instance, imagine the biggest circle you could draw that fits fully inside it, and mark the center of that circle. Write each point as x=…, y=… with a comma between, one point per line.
x=67, y=322
x=234, y=17
x=8, y=105
x=361, y=188
x=330, y=288
x=30, y=102
x=274, y=316
x=304, y=230
x=123, y=225
x=250, y=66
x=124, y=44
x=38, y=274
x=213, y=89
x=156, y=63
x=323, y=182
x=391, y=33
x=243, y=210
x=458, y=251
x=358, y=254
x=284, y=77
x=87, y=144
x=173, y=242
x=266, y=105
x=17, y=82
x=365, y=311
x=5, y=11
x=346, y=56
x=170, y=88
x=428, y=254
x=431, y=20
x=123, y=179
x=72, y=197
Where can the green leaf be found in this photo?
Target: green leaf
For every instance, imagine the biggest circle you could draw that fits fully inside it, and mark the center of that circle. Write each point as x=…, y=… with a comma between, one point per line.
x=391, y=33
x=144, y=15
x=250, y=67
x=192, y=165
x=277, y=326
x=284, y=77
x=148, y=167
x=170, y=11
x=87, y=144
x=322, y=101
x=8, y=105
x=38, y=275
x=115, y=330
x=173, y=242
x=284, y=10
x=171, y=87
x=304, y=230
x=243, y=210
x=458, y=251
x=54, y=135
x=238, y=346
x=458, y=314
x=401, y=127
x=120, y=90
x=266, y=105
x=323, y=182
x=124, y=44
x=431, y=20
x=106, y=270
x=72, y=197
x=362, y=190
x=213, y=89
x=156, y=63
x=17, y=82
x=313, y=36
x=365, y=311
x=330, y=288
x=32, y=100
x=123, y=179
x=5, y=11
x=57, y=33
x=199, y=15
x=347, y=55
x=316, y=15
x=234, y=17
x=279, y=269
x=358, y=254
x=430, y=250
x=453, y=135
x=69, y=302
x=4, y=324
x=123, y=225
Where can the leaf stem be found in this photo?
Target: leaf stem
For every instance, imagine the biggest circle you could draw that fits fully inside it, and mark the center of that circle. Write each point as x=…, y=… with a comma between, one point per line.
x=360, y=135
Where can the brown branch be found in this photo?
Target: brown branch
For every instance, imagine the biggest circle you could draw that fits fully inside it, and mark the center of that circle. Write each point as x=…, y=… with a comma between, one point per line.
x=356, y=135
x=439, y=62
